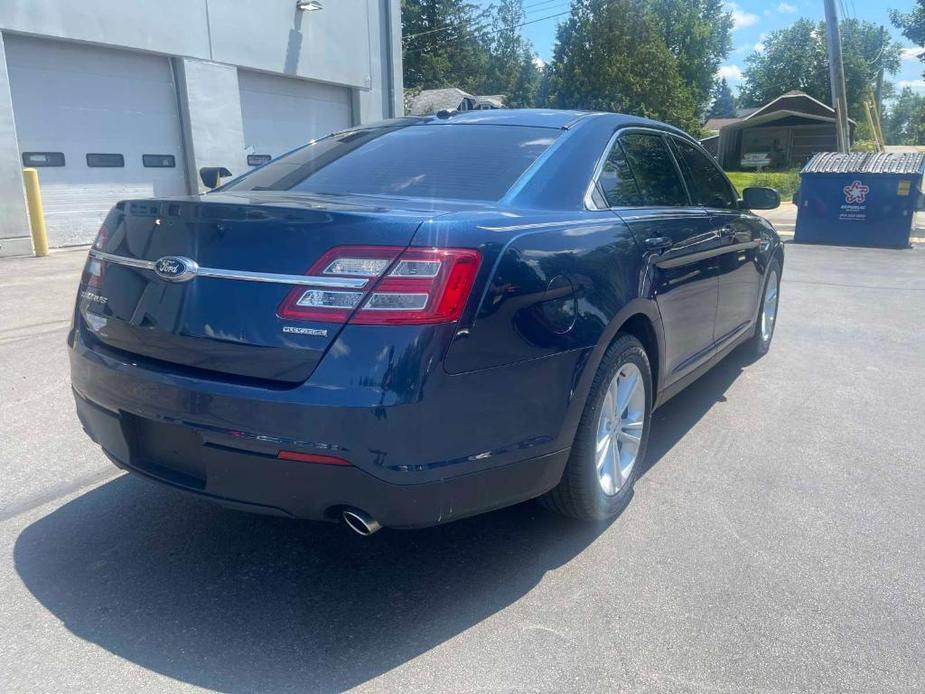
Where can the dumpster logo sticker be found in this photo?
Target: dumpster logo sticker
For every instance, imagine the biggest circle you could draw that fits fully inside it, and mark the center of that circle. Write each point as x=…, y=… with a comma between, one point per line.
x=856, y=193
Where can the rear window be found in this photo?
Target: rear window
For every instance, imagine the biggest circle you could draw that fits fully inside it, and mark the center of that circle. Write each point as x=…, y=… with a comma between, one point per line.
x=461, y=162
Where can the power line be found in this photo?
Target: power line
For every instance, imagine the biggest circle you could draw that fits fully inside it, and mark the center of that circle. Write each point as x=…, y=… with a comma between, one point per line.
x=541, y=2
x=448, y=27
x=486, y=34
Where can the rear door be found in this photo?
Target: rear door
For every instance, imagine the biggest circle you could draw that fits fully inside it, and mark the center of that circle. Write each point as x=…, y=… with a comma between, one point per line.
x=739, y=272
x=641, y=179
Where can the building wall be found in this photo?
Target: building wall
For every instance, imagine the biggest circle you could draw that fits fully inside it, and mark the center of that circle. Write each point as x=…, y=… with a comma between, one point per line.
x=14, y=221
x=348, y=54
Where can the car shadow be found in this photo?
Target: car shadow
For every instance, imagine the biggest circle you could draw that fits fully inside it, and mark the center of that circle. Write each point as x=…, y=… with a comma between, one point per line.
x=231, y=601
x=676, y=417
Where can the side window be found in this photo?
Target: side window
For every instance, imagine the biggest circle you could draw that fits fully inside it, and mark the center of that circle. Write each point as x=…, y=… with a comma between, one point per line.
x=707, y=184
x=616, y=182
x=654, y=170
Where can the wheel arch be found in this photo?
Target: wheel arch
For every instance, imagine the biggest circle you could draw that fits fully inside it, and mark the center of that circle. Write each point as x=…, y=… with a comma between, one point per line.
x=641, y=319
x=640, y=326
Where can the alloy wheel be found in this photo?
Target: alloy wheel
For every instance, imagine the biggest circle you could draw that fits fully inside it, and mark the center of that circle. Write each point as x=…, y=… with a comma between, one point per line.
x=619, y=428
x=769, y=308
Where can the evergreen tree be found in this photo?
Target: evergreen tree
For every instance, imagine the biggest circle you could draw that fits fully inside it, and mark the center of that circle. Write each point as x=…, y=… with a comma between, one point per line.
x=698, y=34
x=611, y=55
x=443, y=44
x=511, y=61
x=724, y=103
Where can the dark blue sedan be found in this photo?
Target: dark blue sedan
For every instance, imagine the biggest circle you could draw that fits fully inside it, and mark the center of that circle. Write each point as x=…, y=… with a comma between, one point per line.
x=414, y=321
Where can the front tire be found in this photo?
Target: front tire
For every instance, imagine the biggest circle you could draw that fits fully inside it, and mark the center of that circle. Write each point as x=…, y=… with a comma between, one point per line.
x=610, y=443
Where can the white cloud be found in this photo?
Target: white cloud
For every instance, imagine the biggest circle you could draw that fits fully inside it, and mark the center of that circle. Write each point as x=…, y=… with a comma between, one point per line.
x=732, y=73
x=539, y=62
x=786, y=8
x=741, y=18
x=910, y=53
x=741, y=50
x=759, y=47
x=915, y=85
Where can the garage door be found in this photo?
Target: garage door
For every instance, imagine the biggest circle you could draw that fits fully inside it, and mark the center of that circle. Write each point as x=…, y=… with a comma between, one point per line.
x=280, y=113
x=101, y=125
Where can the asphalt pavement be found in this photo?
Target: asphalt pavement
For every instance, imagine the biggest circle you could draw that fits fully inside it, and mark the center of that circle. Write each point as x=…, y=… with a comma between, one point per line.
x=774, y=543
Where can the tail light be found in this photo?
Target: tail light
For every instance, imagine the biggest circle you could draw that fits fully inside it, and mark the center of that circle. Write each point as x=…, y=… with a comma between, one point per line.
x=405, y=287
x=94, y=269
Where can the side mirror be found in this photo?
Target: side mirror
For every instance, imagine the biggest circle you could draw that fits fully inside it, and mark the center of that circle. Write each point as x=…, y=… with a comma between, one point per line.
x=760, y=199
x=212, y=176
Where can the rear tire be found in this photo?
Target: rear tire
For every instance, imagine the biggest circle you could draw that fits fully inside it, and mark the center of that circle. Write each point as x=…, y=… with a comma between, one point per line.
x=760, y=342
x=598, y=479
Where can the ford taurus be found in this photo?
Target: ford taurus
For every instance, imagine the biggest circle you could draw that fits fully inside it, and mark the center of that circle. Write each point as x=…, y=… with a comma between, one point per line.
x=410, y=322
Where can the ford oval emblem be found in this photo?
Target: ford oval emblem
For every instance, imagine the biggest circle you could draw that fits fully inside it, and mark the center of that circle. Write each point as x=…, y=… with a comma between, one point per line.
x=175, y=268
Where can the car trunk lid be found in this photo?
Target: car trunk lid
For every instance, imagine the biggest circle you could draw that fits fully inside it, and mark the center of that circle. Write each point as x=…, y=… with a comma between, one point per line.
x=223, y=320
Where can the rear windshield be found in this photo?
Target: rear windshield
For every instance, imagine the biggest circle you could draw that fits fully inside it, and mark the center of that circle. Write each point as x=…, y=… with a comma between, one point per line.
x=461, y=162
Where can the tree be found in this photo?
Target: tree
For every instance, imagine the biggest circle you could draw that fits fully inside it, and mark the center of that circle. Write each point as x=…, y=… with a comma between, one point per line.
x=511, y=68
x=724, y=103
x=912, y=24
x=905, y=122
x=611, y=55
x=796, y=58
x=698, y=35
x=443, y=44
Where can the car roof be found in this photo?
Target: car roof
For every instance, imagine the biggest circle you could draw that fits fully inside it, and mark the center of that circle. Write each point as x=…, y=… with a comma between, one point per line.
x=535, y=117
x=540, y=117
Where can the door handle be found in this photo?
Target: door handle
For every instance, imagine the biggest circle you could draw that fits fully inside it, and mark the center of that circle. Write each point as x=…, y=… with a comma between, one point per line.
x=659, y=244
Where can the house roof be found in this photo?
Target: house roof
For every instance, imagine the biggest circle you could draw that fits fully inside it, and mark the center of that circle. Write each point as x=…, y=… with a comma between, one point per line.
x=434, y=100
x=493, y=100
x=792, y=103
x=716, y=124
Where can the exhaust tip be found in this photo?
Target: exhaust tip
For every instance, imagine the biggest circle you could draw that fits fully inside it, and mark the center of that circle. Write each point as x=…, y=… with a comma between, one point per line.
x=360, y=522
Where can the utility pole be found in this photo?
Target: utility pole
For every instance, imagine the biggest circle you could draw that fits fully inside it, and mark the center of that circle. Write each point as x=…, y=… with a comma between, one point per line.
x=837, y=77
x=878, y=88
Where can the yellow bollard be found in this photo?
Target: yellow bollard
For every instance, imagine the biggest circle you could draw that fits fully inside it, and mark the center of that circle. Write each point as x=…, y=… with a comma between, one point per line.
x=36, y=212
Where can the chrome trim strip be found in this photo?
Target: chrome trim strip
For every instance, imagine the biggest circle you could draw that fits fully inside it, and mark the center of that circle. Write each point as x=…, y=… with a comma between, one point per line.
x=244, y=275
x=599, y=167
x=123, y=260
x=270, y=278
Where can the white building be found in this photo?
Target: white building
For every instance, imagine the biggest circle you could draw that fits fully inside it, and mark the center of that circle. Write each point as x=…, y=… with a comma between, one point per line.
x=115, y=99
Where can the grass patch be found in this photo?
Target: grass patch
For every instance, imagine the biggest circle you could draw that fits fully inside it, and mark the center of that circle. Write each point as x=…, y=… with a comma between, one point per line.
x=784, y=182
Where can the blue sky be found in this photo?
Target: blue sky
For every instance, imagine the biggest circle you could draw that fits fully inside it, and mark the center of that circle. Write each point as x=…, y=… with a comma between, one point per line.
x=753, y=19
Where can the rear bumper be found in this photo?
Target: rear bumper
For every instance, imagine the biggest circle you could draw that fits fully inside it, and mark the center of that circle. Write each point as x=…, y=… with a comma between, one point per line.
x=467, y=443
x=213, y=467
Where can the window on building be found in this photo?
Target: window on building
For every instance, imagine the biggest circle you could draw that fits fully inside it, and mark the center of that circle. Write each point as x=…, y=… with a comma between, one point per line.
x=158, y=161
x=105, y=160
x=706, y=183
x=654, y=170
x=35, y=159
x=616, y=182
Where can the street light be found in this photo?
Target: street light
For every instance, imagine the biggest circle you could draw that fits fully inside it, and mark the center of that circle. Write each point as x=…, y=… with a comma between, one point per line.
x=309, y=5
